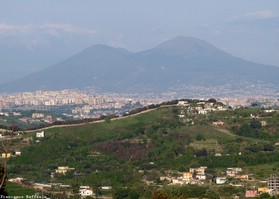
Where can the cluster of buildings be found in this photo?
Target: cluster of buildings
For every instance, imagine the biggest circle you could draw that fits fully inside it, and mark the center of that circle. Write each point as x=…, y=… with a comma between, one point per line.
x=62, y=98
x=272, y=188
x=34, y=118
x=49, y=98
x=233, y=172
x=64, y=104
x=199, y=176
x=201, y=107
x=194, y=176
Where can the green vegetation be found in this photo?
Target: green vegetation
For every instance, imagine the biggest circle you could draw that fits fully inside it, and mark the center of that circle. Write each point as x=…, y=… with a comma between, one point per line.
x=139, y=149
x=16, y=190
x=195, y=191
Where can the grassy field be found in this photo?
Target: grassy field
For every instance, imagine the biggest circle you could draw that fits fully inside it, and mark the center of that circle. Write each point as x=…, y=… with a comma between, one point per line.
x=16, y=190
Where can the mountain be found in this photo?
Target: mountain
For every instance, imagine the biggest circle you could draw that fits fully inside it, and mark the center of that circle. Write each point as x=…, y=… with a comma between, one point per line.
x=182, y=60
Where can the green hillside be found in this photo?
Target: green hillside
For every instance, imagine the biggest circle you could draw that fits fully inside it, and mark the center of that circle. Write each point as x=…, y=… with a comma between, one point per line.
x=133, y=151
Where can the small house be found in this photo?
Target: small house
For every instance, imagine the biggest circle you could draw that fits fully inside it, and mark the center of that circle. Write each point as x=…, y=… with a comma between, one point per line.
x=63, y=169
x=221, y=180
x=244, y=177
x=187, y=175
x=251, y=193
x=263, y=190
x=6, y=155
x=199, y=170
x=85, y=191
x=40, y=134
x=200, y=176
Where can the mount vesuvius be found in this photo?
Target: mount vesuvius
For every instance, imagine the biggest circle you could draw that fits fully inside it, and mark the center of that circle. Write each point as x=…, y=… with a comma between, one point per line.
x=182, y=60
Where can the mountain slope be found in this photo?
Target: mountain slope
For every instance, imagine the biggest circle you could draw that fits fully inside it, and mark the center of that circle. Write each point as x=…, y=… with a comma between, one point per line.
x=182, y=60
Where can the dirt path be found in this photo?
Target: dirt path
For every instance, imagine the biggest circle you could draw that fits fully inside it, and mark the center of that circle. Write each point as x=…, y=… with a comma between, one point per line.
x=225, y=131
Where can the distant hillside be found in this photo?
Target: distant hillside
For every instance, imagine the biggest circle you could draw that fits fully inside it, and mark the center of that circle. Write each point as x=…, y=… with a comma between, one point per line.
x=182, y=60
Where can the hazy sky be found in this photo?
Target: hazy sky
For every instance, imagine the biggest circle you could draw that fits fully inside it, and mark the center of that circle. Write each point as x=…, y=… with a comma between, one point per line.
x=56, y=29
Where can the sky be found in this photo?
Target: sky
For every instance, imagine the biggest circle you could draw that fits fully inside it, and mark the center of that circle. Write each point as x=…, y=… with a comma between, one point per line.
x=37, y=33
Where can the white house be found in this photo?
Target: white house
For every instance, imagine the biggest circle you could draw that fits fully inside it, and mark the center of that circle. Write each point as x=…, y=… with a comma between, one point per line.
x=40, y=134
x=85, y=191
x=106, y=188
x=200, y=176
x=202, y=112
x=232, y=172
x=63, y=169
x=17, y=153
x=221, y=180
x=182, y=103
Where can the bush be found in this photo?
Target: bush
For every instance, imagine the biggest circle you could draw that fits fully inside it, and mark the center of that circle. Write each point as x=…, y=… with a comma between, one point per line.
x=202, y=152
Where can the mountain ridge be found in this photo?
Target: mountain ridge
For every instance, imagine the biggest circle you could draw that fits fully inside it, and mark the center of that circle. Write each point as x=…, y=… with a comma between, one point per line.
x=179, y=60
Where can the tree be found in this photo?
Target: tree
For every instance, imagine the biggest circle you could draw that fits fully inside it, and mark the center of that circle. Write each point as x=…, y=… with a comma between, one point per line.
x=200, y=137
x=120, y=193
x=202, y=152
x=3, y=167
x=159, y=195
x=108, y=120
x=133, y=195
x=265, y=196
x=212, y=100
x=212, y=194
x=255, y=124
x=268, y=147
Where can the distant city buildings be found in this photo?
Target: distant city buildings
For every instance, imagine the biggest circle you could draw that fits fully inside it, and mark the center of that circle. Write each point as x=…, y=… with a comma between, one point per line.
x=75, y=104
x=67, y=97
x=116, y=100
